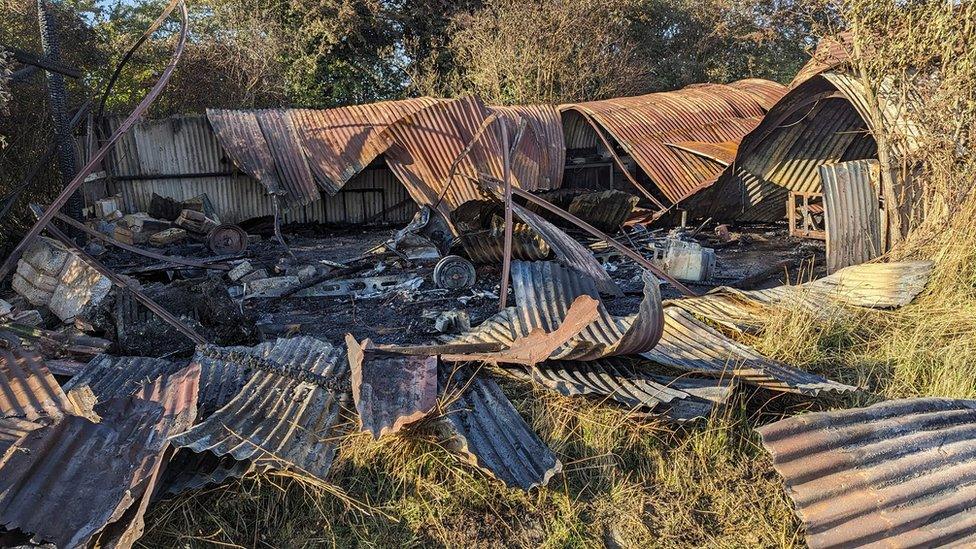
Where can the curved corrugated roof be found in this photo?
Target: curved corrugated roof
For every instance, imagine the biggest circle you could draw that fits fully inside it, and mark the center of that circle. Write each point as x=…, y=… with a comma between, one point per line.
x=645, y=125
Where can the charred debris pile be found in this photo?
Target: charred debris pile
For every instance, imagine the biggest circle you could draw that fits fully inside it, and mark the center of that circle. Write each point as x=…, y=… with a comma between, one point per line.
x=188, y=329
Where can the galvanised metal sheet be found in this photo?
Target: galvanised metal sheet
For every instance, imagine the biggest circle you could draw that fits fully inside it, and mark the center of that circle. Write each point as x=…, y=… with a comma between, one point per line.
x=643, y=125
x=544, y=292
x=120, y=376
x=27, y=389
x=67, y=481
x=481, y=424
x=625, y=382
x=852, y=213
x=690, y=345
x=338, y=142
x=896, y=474
x=874, y=285
x=284, y=415
x=168, y=146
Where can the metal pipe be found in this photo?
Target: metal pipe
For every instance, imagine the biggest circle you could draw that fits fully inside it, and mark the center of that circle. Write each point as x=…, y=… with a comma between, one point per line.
x=507, y=249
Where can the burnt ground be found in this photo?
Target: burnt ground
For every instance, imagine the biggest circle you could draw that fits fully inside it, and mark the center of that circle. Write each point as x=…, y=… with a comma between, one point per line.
x=407, y=317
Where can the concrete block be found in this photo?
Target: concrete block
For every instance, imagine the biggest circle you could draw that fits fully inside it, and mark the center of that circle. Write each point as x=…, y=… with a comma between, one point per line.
x=254, y=275
x=169, y=236
x=81, y=288
x=270, y=286
x=240, y=270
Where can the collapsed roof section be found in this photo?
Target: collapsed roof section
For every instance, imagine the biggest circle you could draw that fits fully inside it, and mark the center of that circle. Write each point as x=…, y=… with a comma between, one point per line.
x=656, y=129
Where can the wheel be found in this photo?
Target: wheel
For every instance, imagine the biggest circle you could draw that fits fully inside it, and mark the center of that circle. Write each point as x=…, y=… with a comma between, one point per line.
x=453, y=272
x=227, y=239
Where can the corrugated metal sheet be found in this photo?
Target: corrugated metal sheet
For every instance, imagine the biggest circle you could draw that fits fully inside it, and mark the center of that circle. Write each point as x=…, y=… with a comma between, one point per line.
x=389, y=390
x=723, y=153
x=544, y=291
x=605, y=210
x=643, y=125
x=120, y=376
x=483, y=426
x=831, y=52
x=12, y=429
x=27, y=389
x=852, y=213
x=174, y=145
x=544, y=146
x=240, y=136
x=620, y=379
x=690, y=345
x=338, y=142
x=189, y=471
x=289, y=157
x=67, y=481
x=487, y=246
x=896, y=474
x=284, y=414
x=877, y=285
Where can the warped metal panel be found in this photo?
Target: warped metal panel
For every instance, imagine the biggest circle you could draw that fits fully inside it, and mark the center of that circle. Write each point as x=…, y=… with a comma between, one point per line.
x=547, y=129
x=679, y=399
x=69, y=480
x=284, y=414
x=482, y=424
x=643, y=125
x=852, y=213
x=120, y=376
x=689, y=345
x=27, y=388
x=896, y=474
x=544, y=292
x=338, y=142
x=189, y=471
x=12, y=429
x=606, y=210
x=488, y=245
x=390, y=390
x=875, y=285
x=239, y=134
x=723, y=153
x=289, y=157
x=831, y=52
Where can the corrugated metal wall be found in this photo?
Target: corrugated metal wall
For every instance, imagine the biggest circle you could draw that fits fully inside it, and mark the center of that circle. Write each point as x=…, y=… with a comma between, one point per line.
x=179, y=157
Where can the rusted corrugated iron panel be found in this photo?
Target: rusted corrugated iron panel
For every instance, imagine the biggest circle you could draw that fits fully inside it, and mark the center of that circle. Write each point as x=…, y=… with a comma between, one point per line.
x=896, y=474
x=852, y=213
x=723, y=153
x=875, y=285
x=766, y=92
x=240, y=135
x=120, y=376
x=547, y=133
x=690, y=345
x=831, y=52
x=643, y=125
x=27, y=389
x=544, y=292
x=12, y=429
x=284, y=414
x=680, y=399
x=338, y=142
x=605, y=210
x=390, y=390
x=487, y=246
x=482, y=425
x=66, y=482
x=289, y=157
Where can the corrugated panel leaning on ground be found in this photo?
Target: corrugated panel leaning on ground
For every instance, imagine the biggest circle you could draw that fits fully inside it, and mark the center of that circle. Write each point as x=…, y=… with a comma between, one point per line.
x=74, y=477
x=688, y=344
x=876, y=285
x=643, y=125
x=852, y=213
x=544, y=292
x=283, y=416
x=896, y=474
x=27, y=388
x=625, y=382
x=483, y=425
x=338, y=142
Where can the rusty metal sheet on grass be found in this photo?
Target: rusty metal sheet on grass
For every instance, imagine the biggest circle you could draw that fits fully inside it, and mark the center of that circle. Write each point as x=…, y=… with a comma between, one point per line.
x=896, y=474
x=544, y=292
x=623, y=381
x=390, y=390
x=27, y=388
x=852, y=213
x=189, y=471
x=690, y=345
x=284, y=415
x=338, y=142
x=66, y=482
x=482, y=425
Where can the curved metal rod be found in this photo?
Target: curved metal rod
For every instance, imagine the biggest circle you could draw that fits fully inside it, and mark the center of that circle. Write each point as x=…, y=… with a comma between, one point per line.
x=94, y=161
x=128, y=54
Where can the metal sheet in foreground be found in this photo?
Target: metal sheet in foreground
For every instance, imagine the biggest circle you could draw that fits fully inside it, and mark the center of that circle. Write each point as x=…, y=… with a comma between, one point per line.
x=482, y=425
x=897, y=474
